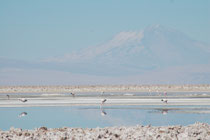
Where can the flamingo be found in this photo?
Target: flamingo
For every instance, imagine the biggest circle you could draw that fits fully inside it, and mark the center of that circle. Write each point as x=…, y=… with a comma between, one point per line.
x=103, y=101
x=103, y=113
x=8, y=96
x=23, y=100
x=164, y=101
x=73, y=94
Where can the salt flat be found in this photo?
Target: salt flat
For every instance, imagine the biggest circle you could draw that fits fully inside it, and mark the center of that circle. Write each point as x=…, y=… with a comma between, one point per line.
x=96, y=101
x=196, y=131
x=105, y=88
x=195, y=101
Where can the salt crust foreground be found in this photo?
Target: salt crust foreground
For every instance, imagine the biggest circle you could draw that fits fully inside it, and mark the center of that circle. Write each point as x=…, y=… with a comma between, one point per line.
x=197, y=131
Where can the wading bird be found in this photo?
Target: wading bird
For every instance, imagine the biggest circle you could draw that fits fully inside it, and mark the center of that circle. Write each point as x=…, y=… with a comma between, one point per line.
x=103, y=113
x=23, y=100
x=103, y=101
x=164, y=101
x=73, y=94
x=7, y=96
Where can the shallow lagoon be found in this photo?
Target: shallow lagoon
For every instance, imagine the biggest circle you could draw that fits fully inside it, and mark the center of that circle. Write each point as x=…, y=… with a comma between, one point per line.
x=69, y=114
x=94, y=116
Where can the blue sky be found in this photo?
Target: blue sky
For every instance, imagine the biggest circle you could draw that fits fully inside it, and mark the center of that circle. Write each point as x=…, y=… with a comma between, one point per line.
x=34, y=30
x=104, y=42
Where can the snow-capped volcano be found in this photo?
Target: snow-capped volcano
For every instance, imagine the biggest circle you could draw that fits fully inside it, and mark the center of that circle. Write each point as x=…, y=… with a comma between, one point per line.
x=137, y=51
x=155, y=55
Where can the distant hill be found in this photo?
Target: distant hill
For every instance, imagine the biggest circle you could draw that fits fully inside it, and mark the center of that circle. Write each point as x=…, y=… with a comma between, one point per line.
x=135, y=52
x=155, y=55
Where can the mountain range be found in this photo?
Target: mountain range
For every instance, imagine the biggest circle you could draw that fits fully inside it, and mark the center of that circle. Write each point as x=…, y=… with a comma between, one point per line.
x=136, y=52
x=156, y=54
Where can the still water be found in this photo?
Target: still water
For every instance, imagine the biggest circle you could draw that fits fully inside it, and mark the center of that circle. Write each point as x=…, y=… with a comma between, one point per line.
x=94, y=116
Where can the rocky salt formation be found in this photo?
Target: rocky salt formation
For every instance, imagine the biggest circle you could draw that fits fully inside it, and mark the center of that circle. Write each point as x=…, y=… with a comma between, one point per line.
x=105, y=88
x=197, y=131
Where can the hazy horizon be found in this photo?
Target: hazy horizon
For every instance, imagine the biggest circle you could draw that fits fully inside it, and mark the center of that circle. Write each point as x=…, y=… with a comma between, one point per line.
x=106, y=42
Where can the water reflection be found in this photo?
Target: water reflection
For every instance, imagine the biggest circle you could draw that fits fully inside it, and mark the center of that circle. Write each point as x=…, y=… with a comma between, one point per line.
x=164, y=111
x=23, y=114
x=104, y=116
x=103, y=113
